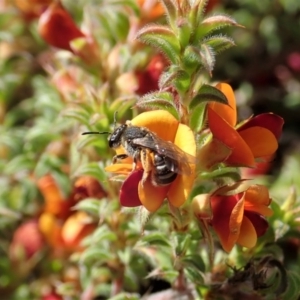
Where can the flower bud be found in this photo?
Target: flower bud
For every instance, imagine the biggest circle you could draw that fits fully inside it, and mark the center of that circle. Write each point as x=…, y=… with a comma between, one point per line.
x=57, y=27
x=27, y=240
x=201, y=207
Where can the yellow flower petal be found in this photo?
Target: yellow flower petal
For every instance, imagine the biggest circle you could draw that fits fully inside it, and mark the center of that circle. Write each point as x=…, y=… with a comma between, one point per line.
x=248, y=236
x=160, y=122
x=182, y=185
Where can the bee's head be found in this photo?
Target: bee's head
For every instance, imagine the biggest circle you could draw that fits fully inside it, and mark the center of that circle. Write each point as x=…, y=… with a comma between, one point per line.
x=115, y=139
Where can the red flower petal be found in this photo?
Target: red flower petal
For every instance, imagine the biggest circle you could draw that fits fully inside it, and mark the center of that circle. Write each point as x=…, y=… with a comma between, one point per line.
x=57, y=27
x=259, y=222
x=222, y=208
x=269, y=121
x=129, y=196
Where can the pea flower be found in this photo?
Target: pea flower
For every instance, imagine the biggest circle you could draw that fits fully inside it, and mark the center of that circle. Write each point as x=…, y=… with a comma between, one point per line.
x=236, y=218
x=133, y=192
x=61, y=226
x=239, y=145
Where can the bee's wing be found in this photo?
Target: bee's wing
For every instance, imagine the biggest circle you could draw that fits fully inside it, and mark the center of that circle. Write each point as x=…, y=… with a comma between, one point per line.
x=178, y=161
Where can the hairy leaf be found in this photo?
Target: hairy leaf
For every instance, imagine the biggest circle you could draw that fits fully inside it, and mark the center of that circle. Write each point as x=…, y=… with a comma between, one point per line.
x=159, y=100
x=208, y=58
x=208, y=93
x=211, y=24
x=171, y=9
x=219, y=43
x=161, y=37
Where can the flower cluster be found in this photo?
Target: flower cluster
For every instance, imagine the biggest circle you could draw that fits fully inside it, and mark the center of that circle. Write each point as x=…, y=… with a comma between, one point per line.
x=62, y=227
x=237, y=216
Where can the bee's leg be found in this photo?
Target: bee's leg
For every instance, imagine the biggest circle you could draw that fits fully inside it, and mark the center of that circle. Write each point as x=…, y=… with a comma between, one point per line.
x=119, y=157
x=136, y=158
x=146, y=163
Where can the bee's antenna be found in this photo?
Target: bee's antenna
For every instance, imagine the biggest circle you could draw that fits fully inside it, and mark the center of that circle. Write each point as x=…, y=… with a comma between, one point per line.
x=96, y=132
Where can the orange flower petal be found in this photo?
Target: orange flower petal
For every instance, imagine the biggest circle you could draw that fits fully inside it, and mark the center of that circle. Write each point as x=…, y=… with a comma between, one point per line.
x=119, y=168
x=180, y=189
x=258, y=194
x=248, y=236
x=182, y=185
x=152, y=196
x=221, y=130
x=51, y=229
x=258, y=208
x=227, y=112
x=259, y=222
x=235, y=222
x=75, y=228
x=160, y=122
x=269, y=121
x=261, y=141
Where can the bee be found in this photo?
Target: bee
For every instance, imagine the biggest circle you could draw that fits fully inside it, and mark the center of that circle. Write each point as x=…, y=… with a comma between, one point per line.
x=160, y=159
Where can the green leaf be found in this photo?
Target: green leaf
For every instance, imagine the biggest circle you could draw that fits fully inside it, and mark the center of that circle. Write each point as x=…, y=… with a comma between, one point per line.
x=63, y=181
x=89, y=205
x=78, y=114
x=102, y=234
x=230, y=172
x=163, y=38
x=171, y=9
x=211, y=24
x=166, y=79
x=182, y=81
x=19, y=163
x=123, y=104
x=156, y=238
x=197, y=12
x=292, y=292
x=125, y=296
x=183, y=241
x=207, y=58
x=208, y=93
x=93, y=169
x=198, y=117
x=184, y=32
x=159, y=100
x=195, y=261
x=96, y=255
x=219, y=43
x=194, y=275
x=169, y=275
x=192, y=58
x=130, y=3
